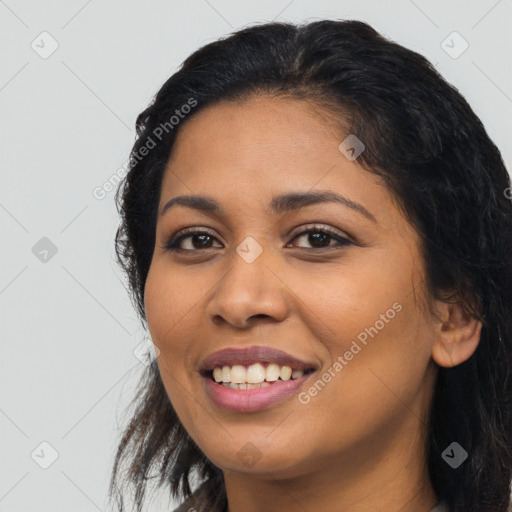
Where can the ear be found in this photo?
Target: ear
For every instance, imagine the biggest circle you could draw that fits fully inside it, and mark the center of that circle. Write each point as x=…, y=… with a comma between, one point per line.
x=457, y=335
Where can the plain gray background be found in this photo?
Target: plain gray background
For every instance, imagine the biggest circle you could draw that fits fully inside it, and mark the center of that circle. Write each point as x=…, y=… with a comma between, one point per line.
x=68, y=330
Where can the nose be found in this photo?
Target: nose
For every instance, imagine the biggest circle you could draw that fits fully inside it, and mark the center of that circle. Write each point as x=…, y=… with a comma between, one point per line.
x=248, y=292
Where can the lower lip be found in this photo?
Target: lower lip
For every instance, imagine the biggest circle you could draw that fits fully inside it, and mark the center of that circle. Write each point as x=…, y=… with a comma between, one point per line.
x=250, y=400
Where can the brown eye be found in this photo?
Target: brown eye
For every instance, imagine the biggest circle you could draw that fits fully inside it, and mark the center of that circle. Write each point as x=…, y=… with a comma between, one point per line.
x=196, y=240
x=318, y=238
x=321, y=238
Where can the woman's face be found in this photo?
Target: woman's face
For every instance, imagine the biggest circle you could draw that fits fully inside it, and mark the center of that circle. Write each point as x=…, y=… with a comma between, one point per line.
x=351, y=309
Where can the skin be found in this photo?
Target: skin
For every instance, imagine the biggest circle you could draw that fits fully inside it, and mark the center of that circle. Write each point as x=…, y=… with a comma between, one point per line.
x=357, y=445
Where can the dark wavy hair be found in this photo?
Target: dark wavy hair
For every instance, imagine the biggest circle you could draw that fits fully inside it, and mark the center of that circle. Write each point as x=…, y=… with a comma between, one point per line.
x=447, y=176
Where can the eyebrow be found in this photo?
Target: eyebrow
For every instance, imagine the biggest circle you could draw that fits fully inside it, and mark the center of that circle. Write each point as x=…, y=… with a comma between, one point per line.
x=279, y=204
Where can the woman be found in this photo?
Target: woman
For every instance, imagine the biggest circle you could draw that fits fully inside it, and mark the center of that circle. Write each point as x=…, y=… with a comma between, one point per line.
x=316, y=233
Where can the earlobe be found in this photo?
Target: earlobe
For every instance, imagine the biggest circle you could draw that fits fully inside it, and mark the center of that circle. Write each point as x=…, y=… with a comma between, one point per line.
x=457, y=337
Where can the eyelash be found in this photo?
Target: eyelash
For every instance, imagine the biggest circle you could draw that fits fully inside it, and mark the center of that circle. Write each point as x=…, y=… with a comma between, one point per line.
x=174, y=241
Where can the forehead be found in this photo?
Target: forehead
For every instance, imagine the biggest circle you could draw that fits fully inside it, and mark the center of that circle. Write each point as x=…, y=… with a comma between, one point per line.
x=269, y=128
x=256, y=140
x=247, y=152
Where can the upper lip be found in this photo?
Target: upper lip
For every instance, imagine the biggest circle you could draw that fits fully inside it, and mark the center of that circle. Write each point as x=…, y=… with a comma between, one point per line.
x=250, y=355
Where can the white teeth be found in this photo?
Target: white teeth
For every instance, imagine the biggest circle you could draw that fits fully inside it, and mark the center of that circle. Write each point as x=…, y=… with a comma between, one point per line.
x=254, y=374
x=226, y=374
x=238, y=374
x=232, y=385
x=217, y=374
x=285, y=373
x=272, y=372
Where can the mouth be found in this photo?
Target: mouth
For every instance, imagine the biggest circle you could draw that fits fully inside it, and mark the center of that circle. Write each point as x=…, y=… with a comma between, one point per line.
x=252, y=397
x=254, y=376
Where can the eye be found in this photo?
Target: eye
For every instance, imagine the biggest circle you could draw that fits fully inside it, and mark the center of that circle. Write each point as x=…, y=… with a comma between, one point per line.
x=203, y=238
x=318, y=237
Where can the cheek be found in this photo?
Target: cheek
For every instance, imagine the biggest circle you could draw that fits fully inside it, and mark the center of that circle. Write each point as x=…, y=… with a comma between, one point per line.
x=377, y=372
x=168, y=305
x=169, y=318
x=369, y=316
x=346, y=301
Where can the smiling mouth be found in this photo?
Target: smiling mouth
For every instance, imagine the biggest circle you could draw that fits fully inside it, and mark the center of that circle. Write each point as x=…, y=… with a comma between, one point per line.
x=254, y=376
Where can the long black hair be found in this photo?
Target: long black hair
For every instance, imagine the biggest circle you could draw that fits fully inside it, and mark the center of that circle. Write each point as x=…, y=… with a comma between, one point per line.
x=436, y=158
